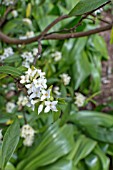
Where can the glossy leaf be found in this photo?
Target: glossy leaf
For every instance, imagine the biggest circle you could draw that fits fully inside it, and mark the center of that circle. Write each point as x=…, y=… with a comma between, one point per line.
x=83, y=146
x=93, y=162
x=83, y=6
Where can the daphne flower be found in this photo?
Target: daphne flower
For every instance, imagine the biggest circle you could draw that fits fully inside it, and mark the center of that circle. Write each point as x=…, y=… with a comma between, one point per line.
x=50, y=106
x=56, y=90
x=40, y=108
x=27, y=132
x=65, y=78
x=57, y=56
x=41, y=82
x=36, y=93
x=35, y=51
x=27, y=20
x=28, y=141
x=10, y=106
x=22, y=100
x=30, y=88
x=14, y=13
x=24, y=79
x=45, y=94
x=80, y=99
x=29, y=34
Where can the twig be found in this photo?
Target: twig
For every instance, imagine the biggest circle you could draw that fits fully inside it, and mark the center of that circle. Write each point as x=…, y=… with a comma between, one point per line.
x=9, y=9
x=39, y=52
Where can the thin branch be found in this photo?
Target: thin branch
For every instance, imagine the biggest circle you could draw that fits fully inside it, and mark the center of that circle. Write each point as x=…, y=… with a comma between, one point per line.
x=8, y=10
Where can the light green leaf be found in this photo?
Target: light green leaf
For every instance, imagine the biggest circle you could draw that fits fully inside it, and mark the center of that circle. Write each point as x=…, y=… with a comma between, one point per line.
x=10, y=142
x=84, y=6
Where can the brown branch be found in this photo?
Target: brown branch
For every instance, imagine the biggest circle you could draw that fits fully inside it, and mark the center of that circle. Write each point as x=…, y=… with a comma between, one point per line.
x=54, y=36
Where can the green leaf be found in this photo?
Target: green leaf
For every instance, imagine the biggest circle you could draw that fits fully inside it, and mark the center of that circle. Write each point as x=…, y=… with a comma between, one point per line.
x=103, y=158
x=84, y=6
x=12, y=59
x=62, y=164
x=10, y=142
x=83, y=146
x=81, y=70
x=10, y=70
x=92, y=162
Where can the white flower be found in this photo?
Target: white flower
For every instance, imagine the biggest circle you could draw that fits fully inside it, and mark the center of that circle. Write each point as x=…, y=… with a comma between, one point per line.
x=45, y=94
x=56, y=90
x=22, y=100
x=8, y=51
x=50, y=106
x=30, y=88
x=8, y=2
x=80, y=99
x=66, y=78
x=27, y=21
x=28, y=141
x=40, y=108
x=57, y=56
x=35, y=51
x=14, y=13
x=27, y=132
x=29, y=34
x=24, y=79
x=41, y=82
x=1, y=136
x=10, y=106
x=36, y=93
x=32, y=103
x=28, y=56
x=26, y=64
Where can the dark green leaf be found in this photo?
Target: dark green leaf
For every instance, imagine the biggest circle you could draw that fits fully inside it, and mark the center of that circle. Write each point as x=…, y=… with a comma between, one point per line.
x=10, y=70
x=10, y=142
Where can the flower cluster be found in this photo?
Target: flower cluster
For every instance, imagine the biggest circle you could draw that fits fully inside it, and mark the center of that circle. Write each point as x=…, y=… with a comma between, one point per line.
x=65, y=78
x=57, y=56
x=28, y=57
x=10, y=106
x=22, y=100
x=8, y=2
x=1, y=136
x=27, y=132
x=7, y=53
x=79, y=99
x=36, y=84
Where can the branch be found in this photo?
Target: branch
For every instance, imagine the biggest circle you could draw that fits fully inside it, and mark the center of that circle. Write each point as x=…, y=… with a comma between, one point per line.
x=9, y=9
x=54, y=36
